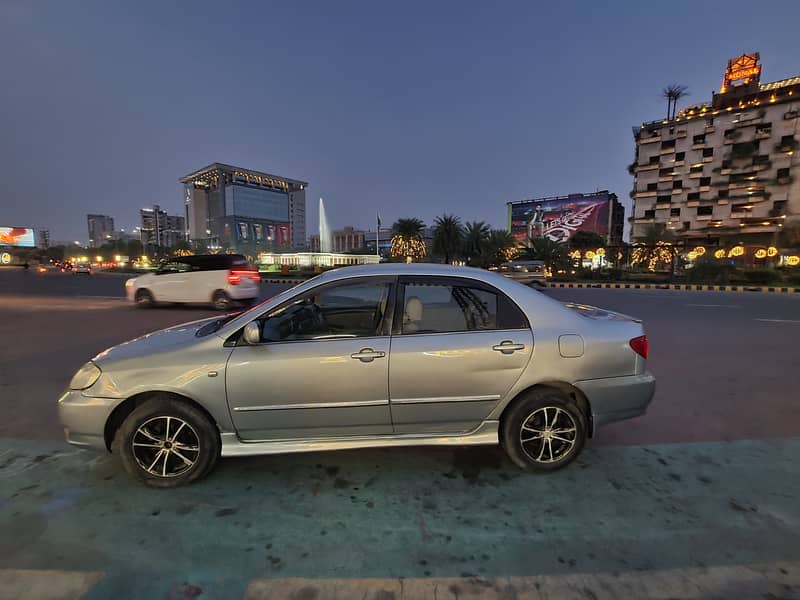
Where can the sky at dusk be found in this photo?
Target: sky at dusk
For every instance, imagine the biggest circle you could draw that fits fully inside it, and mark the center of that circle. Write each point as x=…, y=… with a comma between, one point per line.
x=407, y=108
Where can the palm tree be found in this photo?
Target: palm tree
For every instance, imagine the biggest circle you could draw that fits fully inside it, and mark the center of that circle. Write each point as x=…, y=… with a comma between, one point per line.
x=407, y=239
x=448, y=237
x=475, y=235
x=673, y=92
x=499, y=246
x=654, y=247
x=553, y=254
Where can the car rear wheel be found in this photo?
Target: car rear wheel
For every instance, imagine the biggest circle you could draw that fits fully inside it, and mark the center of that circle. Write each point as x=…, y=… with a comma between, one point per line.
x=166, y=443
x=544, y=431
x=144, y=299
x=220, y=300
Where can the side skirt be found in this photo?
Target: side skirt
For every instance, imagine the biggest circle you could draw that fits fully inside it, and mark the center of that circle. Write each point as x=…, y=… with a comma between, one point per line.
x=485, y=433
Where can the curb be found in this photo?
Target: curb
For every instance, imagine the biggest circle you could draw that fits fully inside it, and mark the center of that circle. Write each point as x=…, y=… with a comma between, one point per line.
x=677, y=286
x=282, y=280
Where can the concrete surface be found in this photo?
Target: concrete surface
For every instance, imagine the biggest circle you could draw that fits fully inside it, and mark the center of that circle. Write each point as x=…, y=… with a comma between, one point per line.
x=620, y=516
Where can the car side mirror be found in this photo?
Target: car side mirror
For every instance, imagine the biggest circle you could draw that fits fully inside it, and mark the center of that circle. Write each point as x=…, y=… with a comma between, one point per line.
x=252, y=333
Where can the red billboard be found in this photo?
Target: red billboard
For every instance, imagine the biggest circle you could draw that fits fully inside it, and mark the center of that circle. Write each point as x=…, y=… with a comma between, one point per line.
x=560, y=217
x=17, y=236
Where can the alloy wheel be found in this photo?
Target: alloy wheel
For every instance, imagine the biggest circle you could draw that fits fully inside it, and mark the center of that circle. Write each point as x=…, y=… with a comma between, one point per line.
x=548, y=434
x=165, y=446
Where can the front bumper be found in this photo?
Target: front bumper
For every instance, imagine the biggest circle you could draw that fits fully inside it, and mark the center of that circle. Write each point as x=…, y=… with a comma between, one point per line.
x=618, y=398
x=84, y=418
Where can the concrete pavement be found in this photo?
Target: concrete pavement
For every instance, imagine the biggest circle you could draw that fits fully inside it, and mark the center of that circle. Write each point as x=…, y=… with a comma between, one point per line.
x=621, y=518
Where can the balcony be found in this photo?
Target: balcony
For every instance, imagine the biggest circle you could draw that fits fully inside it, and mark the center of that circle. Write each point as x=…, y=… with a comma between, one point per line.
x=708, y=159
x=693, y=203
x=647, y=167
x=704, y=188
x=650, y=140
x=698, y=145
x=645, y=194
x=704, y=218
x=710, y=129
x=696, y=175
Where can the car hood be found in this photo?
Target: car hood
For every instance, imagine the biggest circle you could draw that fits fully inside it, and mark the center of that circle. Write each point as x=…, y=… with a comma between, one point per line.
x=155, y=342
x=599, y=314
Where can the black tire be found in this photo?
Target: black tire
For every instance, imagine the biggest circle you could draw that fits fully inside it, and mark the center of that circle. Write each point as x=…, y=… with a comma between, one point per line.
x=545, y=413
x=221, y=301
x=196, y=440
x=144, y=299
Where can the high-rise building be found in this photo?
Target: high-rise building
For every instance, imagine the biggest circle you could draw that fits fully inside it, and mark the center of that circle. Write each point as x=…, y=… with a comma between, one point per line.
x=160, y=229
x=101, y=228
x=245, y=210
x=725, y=171
x=43, y=238
x=344, y=240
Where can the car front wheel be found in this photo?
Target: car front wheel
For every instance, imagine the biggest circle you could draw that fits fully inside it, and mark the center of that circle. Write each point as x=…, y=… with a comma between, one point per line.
x=144, y=299
x=544, y=431
x=166, y=443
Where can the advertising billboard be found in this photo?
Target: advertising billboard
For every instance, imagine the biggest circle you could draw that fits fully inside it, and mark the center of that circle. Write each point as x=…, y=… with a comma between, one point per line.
x=560, y=217
x=17, y=236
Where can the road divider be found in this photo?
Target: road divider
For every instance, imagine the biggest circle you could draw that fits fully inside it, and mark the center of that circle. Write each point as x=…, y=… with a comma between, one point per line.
x=695, y=287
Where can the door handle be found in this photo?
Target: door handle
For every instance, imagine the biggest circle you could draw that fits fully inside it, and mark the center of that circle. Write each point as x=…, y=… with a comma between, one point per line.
x=367, y=355
x=508, y=347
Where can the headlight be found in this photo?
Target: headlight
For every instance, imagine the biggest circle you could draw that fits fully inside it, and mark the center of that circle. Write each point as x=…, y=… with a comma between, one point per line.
x=85, y=377
x=130, y=282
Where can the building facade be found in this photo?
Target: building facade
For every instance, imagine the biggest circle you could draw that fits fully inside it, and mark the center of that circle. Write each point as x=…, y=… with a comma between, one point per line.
x=344, y=240
x=158, y=229
x=559, y=217
x=43, y=238
x=101, y=229
x=725, y=171
x=244, y=210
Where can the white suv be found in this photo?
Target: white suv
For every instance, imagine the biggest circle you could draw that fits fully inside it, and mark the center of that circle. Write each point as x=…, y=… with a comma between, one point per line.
x=219, y=279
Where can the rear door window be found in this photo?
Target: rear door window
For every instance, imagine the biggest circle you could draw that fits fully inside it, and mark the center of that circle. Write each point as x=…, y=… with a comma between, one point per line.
x=449, y=305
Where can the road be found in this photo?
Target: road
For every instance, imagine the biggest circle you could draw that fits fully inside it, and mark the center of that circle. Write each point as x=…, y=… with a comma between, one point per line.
x=702, y=492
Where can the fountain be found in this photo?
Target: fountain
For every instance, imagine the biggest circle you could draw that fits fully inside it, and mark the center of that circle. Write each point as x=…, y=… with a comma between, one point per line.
x=325, y=238
x=325, y=258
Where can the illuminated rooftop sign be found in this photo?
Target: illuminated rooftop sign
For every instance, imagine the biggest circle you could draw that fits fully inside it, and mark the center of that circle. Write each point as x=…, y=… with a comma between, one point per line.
x=741, y=71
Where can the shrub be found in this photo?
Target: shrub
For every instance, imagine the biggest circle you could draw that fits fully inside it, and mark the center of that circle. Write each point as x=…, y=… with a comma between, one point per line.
x=761, y=276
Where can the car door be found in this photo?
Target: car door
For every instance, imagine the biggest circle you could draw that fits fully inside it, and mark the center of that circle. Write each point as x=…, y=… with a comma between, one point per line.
x=170, y=282
x=458, y=346
x=322, y=369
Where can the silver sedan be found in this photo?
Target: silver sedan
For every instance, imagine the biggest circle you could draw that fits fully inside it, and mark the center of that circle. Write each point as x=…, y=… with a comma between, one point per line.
x=374, y=356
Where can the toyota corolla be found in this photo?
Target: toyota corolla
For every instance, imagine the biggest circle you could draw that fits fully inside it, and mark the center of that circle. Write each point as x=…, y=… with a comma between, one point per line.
x=373, y=356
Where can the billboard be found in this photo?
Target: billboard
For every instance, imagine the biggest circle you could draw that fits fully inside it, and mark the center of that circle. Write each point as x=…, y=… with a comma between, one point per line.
x=17, y=236
x=560, y=217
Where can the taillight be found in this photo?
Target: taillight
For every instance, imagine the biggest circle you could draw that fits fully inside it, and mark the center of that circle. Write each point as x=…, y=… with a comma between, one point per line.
x=235, y=277
x=640, y=345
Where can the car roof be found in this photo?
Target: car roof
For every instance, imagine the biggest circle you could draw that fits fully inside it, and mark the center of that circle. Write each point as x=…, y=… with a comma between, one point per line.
x=406, y=269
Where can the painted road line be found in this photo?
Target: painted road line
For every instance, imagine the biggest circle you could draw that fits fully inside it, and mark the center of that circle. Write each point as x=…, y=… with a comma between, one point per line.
x=714, y=305
x=46, y=584
x=779, y=320
x=777, y=580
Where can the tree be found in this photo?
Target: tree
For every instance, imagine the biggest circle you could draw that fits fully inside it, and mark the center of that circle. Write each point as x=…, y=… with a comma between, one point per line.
x=499, y=246
x=181, y=248
x=448, y=237
x=586, y=240
x=673, y=92
x=654, y=247
x=407, y=239
x=475, y=236
x=553, y=254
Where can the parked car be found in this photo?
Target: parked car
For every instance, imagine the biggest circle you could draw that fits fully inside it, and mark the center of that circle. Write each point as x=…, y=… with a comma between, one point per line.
x=218, y=279
x=525, y=271
x=369, y=356
x=84, y=268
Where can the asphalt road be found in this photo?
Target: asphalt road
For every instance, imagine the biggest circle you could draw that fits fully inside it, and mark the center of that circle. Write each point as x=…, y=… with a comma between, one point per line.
x=725, y=362
x=696, y=499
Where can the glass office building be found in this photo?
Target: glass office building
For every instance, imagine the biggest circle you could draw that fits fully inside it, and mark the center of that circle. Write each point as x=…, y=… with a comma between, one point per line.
x=244, y=210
